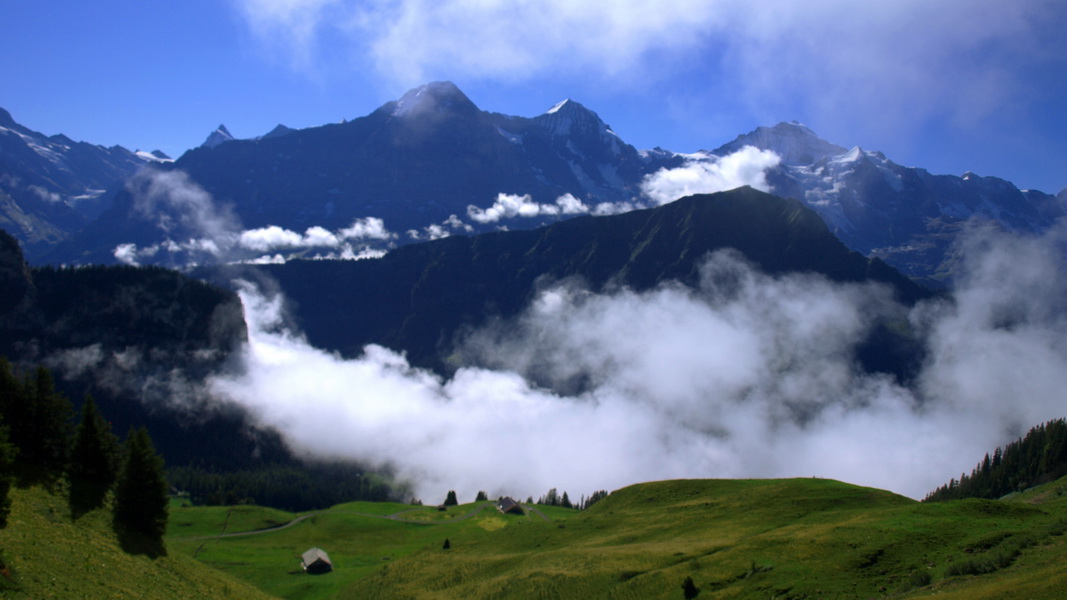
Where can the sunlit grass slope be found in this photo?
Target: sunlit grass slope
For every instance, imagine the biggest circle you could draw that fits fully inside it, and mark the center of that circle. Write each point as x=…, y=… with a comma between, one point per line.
x=48, y=555
x=801, y=538
x=797, y=538
x=358, y=537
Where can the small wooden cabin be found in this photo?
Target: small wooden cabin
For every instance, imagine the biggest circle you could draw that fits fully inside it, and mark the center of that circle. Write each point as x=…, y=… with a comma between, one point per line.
x=316, y=561
x=507, y=504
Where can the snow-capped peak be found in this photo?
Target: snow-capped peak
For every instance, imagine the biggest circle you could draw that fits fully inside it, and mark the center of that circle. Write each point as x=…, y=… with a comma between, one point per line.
x=435, y=97
x=793, y=141
x=556, y=108
x=221, y=135
x=568, y=116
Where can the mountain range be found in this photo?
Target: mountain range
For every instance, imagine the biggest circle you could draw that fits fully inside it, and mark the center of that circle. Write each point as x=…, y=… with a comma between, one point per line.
x=51, y=186
x=433, y=164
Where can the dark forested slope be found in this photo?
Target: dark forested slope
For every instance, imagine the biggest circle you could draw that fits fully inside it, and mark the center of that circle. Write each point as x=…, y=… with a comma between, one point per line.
x=417, y=298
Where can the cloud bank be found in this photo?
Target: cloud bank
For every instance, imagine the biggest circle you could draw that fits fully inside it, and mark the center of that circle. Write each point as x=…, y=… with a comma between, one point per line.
x=701, y=174
x=707, y=174
x=509, y=206
x=746, y=376
x=197, y=230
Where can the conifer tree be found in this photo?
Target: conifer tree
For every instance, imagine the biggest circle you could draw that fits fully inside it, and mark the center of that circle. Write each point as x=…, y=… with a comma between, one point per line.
x=7, y=461
x=94, y=459
x=450, y=499
x=482, y=497
x=14, y=405
x=141, y=491
x=10, y=392
x=44, y=438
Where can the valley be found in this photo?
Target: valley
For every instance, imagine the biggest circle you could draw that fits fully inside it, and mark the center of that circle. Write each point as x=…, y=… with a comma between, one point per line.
x=769, y=351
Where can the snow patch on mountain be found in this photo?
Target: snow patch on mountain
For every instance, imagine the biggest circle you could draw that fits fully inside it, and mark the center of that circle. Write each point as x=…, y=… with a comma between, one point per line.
x=155, y=156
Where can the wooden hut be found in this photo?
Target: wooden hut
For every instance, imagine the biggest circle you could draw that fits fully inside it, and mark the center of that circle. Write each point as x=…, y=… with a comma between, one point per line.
x=316, y=561
x=507, y=504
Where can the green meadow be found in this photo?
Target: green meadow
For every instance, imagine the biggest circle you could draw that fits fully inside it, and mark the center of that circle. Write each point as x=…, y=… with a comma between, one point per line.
x=45, y=553
x=789, y=539
x=796, y=538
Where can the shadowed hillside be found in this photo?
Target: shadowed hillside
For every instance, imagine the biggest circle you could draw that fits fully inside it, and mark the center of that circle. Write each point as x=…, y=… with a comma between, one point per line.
x=419, y=297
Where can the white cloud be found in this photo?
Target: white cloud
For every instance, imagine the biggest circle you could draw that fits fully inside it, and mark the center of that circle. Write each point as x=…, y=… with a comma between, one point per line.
x=197, y=230
x=179, y=206
x=368, y=228
x=45, y=195
x=706, y=174
x=437, y=231
x=126, y=254
x=273, y=237
x=511, y=206
x=893, y=66
x=747, y=376
x=269, y=238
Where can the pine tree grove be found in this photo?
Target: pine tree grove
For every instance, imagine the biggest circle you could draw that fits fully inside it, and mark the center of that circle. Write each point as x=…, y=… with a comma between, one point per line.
x=1038, y=457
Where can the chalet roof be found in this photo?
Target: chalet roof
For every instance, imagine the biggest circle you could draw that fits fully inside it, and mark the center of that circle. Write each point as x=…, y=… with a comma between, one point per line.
x=506, y=503
x=314, y=555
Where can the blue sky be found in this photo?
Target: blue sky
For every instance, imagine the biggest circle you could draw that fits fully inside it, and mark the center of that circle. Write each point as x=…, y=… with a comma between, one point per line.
x=951, y=86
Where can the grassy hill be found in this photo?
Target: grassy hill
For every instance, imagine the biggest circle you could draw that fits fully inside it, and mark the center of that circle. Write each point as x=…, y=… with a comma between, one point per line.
x=360, y=537
x=798, y=538
x=47, y=555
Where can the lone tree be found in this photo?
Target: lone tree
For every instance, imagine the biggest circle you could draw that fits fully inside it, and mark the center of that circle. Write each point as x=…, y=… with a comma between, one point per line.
x=690, y=589
x=94, y=459
x=141, y=493
x=450, y=499
x=482, y=497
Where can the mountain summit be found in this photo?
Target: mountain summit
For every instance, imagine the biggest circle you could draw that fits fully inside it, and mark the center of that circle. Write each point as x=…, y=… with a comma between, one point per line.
x=572, y=118
x=793, y=142
x=437, y=98
x=52, y=186
x=221, y=135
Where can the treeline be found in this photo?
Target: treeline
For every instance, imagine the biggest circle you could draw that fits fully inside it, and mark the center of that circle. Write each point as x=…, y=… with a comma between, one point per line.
x=1038, y=457
x=553, y=498
x=284, y=486
x=39, y=444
